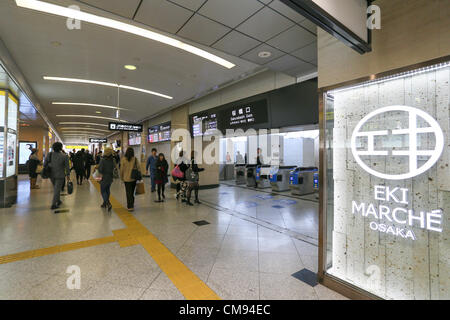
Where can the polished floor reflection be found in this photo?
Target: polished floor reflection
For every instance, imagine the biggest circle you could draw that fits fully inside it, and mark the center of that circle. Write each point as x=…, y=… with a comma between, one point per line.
x=234, y=258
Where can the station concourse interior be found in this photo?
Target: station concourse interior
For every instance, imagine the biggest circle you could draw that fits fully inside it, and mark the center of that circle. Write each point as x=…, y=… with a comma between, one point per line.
x=267, y=96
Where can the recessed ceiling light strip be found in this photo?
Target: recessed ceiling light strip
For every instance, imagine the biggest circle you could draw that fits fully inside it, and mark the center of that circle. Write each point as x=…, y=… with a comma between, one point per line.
x=107, y=84
x=82, y=128
x=93, y=117
x=121, y=26
x=84, y=123
x=87, y=105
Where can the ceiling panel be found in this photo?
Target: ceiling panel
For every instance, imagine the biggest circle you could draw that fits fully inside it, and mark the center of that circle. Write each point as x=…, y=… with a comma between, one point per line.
x=308, y=53
x=162, y=15
x=236, y=43
x=252, y=55
x=292, y=39
x=203, y=30
x=309, y=26
x=280, y=7
x=189, y=4
x=230, y=12
x=123, y=8
x=265, y=24
x=265, y=1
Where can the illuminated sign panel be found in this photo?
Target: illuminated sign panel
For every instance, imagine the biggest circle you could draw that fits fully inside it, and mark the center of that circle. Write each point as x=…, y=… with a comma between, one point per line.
x=388, y=184
x=97, y=140
x=117, y=126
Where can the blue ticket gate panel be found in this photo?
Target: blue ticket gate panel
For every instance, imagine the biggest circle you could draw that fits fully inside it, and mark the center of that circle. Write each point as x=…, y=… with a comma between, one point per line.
x=302, y=182
x=279, y=178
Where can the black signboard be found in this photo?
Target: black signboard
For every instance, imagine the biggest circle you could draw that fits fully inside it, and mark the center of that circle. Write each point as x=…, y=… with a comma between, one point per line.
x=97, y=140
x=244, y=115
x=159, y=133
x=116, y=126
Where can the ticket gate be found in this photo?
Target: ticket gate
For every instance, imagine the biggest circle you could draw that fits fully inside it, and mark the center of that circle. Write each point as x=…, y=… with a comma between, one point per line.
x=262, y=176
x=279, y=178
x=250, y=174
x=239, y=173
x=302, y=182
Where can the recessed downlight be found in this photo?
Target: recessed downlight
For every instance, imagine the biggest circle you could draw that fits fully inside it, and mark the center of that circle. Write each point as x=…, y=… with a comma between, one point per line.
x=68, y=12
x=264, y=54
x=130, y=67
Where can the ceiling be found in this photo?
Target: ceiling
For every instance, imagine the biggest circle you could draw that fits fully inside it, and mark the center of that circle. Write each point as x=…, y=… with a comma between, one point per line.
x=236, y=30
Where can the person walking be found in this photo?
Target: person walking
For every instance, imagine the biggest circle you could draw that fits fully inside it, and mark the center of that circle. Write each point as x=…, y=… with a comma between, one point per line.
x=89, y=161
x=33, y=163
x=182, y=163
x=128, y=166
x=98, y=157
x=78, y=165
x=162, y=167
x=58, y=163
x=151, y=164
x=192, y=176
x=106, y=169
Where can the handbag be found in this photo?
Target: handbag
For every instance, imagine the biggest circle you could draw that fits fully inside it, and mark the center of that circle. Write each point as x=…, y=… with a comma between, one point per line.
x=136, y=173
x=140, y=188
x=177, y=173
x=39, y=168
x=191, y=176
x=116, y=174
x=46, y=170
x=97, y=175
x=69, y=187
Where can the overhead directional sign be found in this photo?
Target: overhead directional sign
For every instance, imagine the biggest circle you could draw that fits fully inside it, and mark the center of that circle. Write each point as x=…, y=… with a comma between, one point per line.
x=116, y=126
x=97, y=140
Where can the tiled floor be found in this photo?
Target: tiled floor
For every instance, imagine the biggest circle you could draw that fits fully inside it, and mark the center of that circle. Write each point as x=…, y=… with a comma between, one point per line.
x=237, y=259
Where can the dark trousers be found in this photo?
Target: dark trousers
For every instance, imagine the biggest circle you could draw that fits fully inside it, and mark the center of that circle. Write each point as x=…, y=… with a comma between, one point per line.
x=161, y=189
x=152, y=179
x=79, y=178
x=105, y=189
x=64, y=184
x=57, y=187
x=130, y=187
x=192, y=186
x=88, y=172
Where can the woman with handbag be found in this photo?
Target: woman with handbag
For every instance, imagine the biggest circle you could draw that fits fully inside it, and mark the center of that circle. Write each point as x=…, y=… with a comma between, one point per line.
x=192, y=176
x=182, y=164
x=106, y=170
x=161, y=176
x=130, y=173
x=33, y=163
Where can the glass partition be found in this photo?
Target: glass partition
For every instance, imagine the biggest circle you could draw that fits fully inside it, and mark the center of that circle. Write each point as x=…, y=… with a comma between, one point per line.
x=388, y=185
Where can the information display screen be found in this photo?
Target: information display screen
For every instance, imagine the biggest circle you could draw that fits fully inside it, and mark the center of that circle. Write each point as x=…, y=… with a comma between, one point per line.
x=25, y=151
x=159, y=133
x=204, y=124
x=98, y=140
x=134, y=139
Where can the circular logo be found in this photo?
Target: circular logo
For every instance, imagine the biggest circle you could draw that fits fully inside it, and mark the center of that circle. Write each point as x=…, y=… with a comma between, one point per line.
x=410, y=135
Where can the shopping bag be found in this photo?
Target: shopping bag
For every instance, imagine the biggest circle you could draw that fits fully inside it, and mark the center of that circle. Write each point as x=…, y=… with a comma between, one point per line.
x=177, y=173
x=97, y=175
x=140, y=188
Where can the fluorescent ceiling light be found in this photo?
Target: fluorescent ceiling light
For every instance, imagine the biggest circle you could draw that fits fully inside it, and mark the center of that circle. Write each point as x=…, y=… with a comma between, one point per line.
x=107, y=84
x=83, y=128
x=87, y=105
x=121, y=26
x=84, y=116
x=130, y=67
x=84, y=123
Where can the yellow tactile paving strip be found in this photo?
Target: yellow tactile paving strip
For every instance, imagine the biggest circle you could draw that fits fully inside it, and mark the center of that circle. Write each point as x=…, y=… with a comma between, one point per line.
x=191, y=286
x=187, y=282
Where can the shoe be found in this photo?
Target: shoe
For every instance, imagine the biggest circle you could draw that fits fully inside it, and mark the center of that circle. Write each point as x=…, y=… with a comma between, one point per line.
x=131, y=210
x=59, y=203
x=189, y=203
x=103, y=205
x=109, y=206
x=54, y=207
x=197, y=201
x=158, y=201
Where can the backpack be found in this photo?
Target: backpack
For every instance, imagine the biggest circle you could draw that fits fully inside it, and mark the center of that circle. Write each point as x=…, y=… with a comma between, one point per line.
x=191, y=176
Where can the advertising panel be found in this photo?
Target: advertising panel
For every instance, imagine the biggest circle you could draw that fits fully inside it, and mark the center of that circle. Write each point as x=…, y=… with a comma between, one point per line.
x=388, y=185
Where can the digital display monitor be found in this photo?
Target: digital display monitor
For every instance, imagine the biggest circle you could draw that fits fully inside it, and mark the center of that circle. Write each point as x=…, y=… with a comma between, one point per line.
x=160, y=133
x=134, y=139
x=204, y=124
x=25, y=151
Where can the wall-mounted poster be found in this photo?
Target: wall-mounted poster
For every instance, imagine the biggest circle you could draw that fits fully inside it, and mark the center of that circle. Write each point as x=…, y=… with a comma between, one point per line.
x=12, y=113
x=11, y=155
x=25, y=151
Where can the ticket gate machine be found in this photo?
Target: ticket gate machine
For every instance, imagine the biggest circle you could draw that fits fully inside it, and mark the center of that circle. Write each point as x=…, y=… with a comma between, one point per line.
x=239, y=173
x=279, y=178
x=302, y=180
x=262, y=176
x=250, y=174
